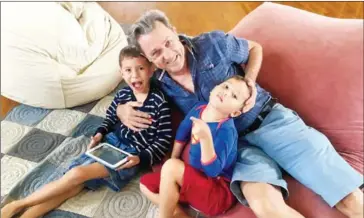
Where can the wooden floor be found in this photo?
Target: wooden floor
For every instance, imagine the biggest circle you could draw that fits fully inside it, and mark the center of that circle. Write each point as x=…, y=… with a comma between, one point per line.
x=193, y=18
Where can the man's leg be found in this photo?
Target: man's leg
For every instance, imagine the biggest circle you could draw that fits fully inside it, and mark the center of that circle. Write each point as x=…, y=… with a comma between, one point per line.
x=257, y=182
x=43, y=208
x=267, y=201
x=309, y=157
x=70, y=180
x=352, y=205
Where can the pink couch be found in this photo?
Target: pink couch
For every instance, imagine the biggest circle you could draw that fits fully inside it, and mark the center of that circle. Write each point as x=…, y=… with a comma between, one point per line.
x=314, y=65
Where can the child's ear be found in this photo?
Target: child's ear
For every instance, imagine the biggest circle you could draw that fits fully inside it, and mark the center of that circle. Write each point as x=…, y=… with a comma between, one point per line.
x=121, y=72
x=236, y=113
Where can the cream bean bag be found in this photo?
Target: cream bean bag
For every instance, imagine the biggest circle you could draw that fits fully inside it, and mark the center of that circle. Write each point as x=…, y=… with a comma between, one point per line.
x=58, y=55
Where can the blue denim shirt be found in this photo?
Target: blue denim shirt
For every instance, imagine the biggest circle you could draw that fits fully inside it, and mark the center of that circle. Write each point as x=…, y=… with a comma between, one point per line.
x=212, y=58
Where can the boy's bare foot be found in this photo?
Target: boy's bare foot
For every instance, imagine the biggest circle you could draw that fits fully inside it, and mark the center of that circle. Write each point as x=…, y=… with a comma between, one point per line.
x=10, y=210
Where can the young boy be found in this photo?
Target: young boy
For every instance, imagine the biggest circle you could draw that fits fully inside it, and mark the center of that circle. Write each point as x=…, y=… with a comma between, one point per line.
x=204, y=182
x=148, y=146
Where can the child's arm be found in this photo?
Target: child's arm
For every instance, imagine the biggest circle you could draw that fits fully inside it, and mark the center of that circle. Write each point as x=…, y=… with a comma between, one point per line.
x=111, y=117
x=222, y=145
x=177, y=149
x=162, y=142
x=214, y=152
x=183, y=134
x=201, y=132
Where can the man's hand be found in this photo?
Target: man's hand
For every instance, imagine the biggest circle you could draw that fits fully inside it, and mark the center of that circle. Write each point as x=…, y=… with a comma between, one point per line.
x=200, y=130
x=250, y=102
x=133, y=119
x=132, y=161
x=94, y=140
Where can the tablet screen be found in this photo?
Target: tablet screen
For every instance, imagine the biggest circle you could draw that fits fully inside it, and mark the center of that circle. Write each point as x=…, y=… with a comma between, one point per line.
x=109, y=154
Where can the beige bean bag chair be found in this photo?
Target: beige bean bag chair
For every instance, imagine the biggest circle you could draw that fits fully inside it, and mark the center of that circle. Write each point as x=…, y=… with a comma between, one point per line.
x=58, y=55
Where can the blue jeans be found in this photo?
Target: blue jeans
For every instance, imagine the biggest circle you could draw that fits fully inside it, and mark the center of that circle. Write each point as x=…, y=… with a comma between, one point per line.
x=284, y=140
x=118, y=179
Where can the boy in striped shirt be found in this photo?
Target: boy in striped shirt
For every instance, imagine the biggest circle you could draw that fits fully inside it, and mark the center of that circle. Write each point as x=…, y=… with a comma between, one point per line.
x=148, y=146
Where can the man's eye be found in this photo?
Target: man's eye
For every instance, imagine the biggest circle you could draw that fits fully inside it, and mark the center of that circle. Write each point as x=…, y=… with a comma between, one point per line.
x=155, y=54
x=128, y=70
x=226, y=87
x=234, y=96
x=141, y=68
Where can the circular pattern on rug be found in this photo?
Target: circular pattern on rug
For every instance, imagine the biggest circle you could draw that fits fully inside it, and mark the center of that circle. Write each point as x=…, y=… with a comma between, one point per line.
x=69, y=149
x=153, y=211
x=27, y=115
x=11, y=133
x=31, y=183
x=86, y=202
x=88, y=126
x=129, y=203
x=12, y=170
x=36, y=145
x=61, y=121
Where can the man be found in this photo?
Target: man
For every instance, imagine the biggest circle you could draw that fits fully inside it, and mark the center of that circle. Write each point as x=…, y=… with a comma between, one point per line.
x=270, y=134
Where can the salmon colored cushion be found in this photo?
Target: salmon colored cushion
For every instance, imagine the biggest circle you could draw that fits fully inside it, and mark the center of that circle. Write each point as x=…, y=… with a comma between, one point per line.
x=314, y=65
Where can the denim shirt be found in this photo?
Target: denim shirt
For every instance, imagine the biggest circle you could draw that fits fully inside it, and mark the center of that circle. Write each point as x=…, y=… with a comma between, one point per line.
x=212, y=58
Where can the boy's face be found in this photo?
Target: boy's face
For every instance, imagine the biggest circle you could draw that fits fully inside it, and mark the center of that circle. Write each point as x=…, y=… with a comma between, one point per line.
x=229, y=96
x=136, y=72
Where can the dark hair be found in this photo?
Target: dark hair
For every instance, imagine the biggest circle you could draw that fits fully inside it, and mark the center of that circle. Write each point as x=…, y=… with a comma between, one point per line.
x=130, y=51
x=242, y=79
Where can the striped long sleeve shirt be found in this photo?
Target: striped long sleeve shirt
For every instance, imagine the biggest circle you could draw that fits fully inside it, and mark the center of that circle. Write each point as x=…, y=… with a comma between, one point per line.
x=152, y=143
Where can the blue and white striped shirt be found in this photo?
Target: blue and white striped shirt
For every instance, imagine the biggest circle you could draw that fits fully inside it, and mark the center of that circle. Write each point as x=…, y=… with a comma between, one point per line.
x=152, y=143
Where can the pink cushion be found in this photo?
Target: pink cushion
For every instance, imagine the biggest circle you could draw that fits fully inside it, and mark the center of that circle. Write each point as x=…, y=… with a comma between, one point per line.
x=314, y=65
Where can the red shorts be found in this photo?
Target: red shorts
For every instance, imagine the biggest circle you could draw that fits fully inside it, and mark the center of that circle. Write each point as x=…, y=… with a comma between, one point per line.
x=211, y=196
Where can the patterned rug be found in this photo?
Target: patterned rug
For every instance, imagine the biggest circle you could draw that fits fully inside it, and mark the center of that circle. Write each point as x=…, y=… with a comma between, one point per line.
x=37, y=145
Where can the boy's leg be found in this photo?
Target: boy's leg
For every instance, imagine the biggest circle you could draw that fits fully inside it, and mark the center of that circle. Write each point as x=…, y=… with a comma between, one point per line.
x=154, y=198
x=43, y=208
x=171, y=180
x=153, y=180
x=71, y=179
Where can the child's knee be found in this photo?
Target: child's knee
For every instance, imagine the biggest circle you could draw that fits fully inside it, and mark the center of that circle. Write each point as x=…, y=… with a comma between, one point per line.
x=76, y=175
x=171, y=166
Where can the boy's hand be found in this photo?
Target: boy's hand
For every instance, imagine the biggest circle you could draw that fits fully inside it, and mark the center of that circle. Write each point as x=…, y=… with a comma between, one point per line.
x=132, y=161
x=200, y=130
x=94, y=140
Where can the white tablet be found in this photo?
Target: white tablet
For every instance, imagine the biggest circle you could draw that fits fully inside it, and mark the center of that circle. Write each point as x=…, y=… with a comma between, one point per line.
x=108, y=155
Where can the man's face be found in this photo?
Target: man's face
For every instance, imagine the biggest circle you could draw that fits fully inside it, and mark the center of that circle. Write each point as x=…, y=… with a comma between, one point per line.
x=163, y=48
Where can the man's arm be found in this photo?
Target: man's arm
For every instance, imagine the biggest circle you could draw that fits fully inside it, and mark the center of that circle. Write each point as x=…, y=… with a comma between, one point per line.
x=252, y=68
